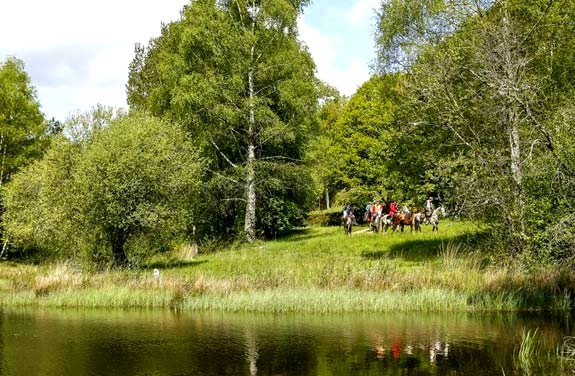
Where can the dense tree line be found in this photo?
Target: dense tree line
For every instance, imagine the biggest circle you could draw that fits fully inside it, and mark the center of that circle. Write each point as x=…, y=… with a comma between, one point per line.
x=492, y=82
x=231, y=99
x=368, y=149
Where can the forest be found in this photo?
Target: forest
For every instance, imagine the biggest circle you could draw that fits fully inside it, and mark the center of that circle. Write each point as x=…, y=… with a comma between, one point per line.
x=230, y=138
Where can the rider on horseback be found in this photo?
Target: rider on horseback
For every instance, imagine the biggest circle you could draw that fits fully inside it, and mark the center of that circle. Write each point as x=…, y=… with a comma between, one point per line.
x=375, y=209
x=348, y=211
x=367, y=217
x=348, y=219
x=429, y=207
x=393, y=209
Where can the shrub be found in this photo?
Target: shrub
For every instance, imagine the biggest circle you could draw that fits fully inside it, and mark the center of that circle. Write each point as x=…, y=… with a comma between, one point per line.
x=135, y=184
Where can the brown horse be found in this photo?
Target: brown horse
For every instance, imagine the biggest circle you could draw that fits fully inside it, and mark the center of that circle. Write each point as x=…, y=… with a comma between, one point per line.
x=402, y=219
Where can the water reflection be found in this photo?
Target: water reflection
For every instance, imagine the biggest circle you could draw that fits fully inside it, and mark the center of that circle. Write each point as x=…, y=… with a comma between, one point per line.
x=51, y=342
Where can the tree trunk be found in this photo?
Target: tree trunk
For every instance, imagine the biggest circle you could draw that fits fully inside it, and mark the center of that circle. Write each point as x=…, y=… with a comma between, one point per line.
x=250, y=220
x=3, y=149
x=118, y=241
x=517, y=176
x=326, y=198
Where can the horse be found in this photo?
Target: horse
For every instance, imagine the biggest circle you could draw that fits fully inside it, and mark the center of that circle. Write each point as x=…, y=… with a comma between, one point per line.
x=434, y=219
x=347, y=222
x=387, y=221
x=375, y=224
x=402, y=219
x=418, y=219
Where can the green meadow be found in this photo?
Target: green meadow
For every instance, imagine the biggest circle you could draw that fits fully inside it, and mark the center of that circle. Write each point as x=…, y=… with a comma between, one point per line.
x=316, y=269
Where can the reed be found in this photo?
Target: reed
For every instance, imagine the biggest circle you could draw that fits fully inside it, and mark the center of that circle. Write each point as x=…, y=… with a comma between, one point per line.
x=315, y=270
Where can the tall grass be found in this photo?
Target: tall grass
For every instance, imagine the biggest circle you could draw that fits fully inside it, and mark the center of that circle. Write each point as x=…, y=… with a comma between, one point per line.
x=529, y=348
x=316, y=270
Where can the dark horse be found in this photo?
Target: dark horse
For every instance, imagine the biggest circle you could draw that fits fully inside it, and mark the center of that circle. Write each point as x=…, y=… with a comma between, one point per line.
x=347, y=222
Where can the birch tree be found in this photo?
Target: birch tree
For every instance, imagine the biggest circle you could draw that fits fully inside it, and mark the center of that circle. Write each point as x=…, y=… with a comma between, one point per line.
x=234, y=74
x=484, y=80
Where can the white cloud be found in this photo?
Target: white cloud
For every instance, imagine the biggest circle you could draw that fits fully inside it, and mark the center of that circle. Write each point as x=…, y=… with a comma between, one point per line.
x=333, y=51
x=77, y=52
x=362, y=11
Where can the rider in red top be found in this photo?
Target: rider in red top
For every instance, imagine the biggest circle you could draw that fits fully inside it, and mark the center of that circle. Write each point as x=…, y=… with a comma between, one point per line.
x=393, y=209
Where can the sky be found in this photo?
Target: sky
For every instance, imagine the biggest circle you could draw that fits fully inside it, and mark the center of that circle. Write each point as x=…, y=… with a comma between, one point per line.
x=77, y=52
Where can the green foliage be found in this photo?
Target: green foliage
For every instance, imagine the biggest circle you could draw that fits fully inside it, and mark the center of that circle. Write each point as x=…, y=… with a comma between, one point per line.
x=369, y=150
x=488, y=83
x=331, y=217
x=221, y=73
x=407, y=27
x=40, y=202
x=23, y=129
x=136, y=183
x=278, y=217
x=358, y=197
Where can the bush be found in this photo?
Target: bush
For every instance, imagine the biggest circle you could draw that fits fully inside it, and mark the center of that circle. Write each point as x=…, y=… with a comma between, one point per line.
x=331, y=217
x=135, y=184
x=278, y=216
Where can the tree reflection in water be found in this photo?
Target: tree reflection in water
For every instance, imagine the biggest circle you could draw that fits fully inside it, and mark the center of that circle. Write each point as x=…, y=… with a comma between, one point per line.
x=143, y=342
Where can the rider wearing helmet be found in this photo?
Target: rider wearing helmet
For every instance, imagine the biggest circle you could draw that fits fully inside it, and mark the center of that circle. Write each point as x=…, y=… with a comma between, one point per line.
x=428, y=206
x=347, y=210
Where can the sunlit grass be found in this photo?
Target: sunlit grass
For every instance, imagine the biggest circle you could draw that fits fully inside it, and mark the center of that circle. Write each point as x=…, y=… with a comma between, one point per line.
x=314, y=270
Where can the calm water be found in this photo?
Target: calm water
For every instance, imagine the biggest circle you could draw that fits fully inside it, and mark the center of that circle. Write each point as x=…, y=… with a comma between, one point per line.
x=70, y=342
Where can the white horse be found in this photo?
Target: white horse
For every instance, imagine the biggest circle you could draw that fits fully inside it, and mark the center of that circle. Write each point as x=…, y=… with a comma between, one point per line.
x=386, y=221
x=418, y=221
x=434, y=219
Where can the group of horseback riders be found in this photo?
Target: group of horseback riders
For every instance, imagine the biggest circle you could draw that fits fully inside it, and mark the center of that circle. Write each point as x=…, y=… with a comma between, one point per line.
x=379, y=215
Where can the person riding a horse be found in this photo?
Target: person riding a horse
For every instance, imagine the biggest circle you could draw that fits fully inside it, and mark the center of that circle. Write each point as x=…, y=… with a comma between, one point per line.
x=367, y=216
x=429, y=207
x=348, y=211
x=348, y=218
x=375, y=210
x=393, y=209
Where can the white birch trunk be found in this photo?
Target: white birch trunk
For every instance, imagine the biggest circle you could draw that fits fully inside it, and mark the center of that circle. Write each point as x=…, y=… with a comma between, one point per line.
x=3, y=148
x=516, y=172
x=250, y=220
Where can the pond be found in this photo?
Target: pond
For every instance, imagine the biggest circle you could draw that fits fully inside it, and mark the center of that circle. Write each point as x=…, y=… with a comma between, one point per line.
x=103, y=342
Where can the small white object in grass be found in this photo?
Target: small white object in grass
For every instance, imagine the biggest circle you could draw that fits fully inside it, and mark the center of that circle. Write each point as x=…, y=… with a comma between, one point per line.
x=156, y=274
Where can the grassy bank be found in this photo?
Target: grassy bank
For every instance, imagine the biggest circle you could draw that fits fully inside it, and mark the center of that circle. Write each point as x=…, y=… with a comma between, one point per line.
x=314, y=270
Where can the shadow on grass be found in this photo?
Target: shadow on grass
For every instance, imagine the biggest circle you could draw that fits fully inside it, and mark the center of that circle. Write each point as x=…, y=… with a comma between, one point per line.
x=301, y=234
x=418, y=250
x=174, y=264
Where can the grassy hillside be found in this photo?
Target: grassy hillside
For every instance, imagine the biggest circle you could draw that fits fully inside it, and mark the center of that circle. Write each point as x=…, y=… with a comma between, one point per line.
x=317, y=269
